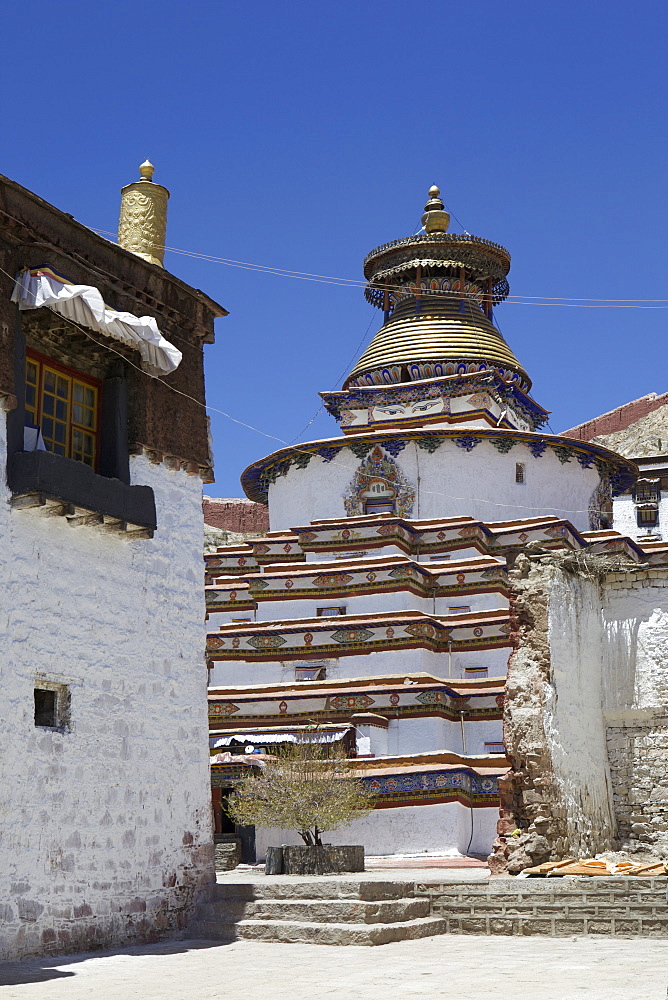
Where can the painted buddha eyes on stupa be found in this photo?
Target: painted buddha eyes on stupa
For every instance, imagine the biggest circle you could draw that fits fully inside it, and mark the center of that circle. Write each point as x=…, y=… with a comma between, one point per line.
x=428, y=404
x=407, y=410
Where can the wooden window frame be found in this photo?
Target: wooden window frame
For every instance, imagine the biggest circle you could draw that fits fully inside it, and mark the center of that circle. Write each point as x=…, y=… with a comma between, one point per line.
x=43, y=362
x=648, y=517
x=647, y=491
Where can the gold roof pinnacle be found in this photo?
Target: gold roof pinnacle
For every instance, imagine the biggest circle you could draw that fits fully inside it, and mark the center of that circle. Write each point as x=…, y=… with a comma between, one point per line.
x=146, y=170
x=435, y=218
x=142, y=227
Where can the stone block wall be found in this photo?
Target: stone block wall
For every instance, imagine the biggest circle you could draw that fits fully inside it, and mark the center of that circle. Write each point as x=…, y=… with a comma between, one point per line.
x=239, y=516
x=616, y=421
x=638, y=756
x=635, y=703
x=622, y=907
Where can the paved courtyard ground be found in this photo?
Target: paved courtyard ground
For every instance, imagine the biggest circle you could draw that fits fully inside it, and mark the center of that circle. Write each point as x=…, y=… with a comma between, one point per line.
x=445, y=968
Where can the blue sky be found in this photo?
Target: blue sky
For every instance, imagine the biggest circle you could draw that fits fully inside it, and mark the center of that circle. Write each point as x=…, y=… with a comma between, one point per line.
x=300, y=135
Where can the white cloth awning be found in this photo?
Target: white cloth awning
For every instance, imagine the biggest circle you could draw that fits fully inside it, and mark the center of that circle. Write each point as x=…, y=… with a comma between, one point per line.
x=260, y=739
x=83, y=304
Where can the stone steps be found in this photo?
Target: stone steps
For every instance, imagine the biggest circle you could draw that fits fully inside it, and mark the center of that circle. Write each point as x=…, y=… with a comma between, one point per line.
x=328, y=912
x=308, y=932
x=293, y=888
x=340, y=911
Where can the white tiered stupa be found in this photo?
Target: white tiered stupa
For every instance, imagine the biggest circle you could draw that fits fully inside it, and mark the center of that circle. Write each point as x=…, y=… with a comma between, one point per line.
x=377, y=607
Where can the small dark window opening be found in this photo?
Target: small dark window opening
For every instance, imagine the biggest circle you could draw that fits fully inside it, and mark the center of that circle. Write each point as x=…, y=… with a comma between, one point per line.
x=45, y=708
x=379, y=507
x=519, y=472
x=332, y=611
x=314, y=673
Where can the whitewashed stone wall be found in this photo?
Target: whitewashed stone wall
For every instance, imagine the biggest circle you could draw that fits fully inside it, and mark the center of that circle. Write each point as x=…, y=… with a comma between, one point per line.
x=574, y=725
x=635, y=703
x=363, y=604
x=444, y=828
x=625, y=518
x=604, y=707
x=106, y=828
x=375, y=664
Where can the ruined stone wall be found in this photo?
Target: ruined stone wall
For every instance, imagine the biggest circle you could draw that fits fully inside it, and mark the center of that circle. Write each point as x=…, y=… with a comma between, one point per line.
x=532, y=824
x=586, y=714
x=105, y=821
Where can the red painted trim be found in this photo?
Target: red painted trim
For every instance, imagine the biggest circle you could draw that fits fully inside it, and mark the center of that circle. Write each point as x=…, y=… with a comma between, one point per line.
x=435, y=800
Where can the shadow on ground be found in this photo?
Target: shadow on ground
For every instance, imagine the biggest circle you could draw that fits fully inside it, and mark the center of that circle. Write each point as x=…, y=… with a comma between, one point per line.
x=41, y=970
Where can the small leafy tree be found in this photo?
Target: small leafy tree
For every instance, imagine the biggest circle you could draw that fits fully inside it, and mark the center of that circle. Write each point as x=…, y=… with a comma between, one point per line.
x=306, y=789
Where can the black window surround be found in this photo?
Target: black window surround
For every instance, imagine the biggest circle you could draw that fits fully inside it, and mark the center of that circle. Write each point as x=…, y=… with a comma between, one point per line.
x=40, y=478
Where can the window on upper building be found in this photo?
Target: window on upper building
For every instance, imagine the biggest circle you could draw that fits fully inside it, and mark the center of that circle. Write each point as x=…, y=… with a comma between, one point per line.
x=519, y=472
x=648, y=516
x=495, y=748
x=475, y=671
x=647, y=491
x=312, y=673
x=64, y=405
x=331, y=611
x=459, y=609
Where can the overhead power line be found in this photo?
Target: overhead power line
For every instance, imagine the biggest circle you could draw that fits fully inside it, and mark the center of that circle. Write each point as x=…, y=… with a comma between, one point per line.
x=573, y=302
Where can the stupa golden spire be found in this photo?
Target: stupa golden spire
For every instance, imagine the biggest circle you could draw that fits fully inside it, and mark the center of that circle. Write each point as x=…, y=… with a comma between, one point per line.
x=437, y=291
x=435, y=218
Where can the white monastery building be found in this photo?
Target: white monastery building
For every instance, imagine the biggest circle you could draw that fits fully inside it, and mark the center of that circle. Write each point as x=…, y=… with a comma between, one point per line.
x=105, y=827
x=384, y=606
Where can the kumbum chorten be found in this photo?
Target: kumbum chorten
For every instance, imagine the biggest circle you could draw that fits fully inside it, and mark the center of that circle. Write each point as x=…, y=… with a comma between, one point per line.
x=377, y=608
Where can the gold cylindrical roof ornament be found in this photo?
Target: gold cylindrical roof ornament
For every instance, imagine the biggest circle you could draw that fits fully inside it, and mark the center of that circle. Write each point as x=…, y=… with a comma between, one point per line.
x=142, y=227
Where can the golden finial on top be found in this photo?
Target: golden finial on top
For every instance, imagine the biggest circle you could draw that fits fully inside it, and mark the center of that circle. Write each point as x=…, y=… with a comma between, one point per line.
x=435, y=218
x=146, y=170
